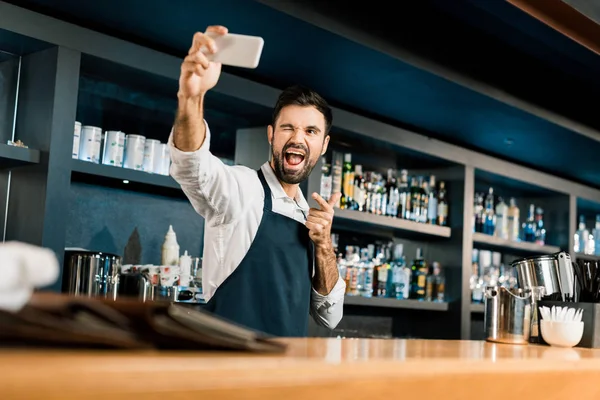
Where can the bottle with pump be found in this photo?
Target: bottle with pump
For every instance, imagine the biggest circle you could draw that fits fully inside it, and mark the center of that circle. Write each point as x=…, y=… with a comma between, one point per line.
x=170, y=248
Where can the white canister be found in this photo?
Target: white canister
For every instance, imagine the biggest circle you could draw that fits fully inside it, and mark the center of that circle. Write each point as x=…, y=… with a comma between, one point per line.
x=151, y=152
x=166, y=159
x=134, y=151
x=89, y=143
x=114, y=148
x=76, y=139
x=162, y=154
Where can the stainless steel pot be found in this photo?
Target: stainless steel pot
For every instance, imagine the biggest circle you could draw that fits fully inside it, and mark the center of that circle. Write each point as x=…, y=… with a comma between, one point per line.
x=89, y=273
x=507, y=317
x=539, y=271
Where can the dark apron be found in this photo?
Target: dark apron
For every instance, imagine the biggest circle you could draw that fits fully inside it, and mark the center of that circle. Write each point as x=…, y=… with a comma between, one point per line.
x=270, y=290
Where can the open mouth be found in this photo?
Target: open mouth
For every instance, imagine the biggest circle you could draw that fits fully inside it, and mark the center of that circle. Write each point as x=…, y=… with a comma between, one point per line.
x=294, y=157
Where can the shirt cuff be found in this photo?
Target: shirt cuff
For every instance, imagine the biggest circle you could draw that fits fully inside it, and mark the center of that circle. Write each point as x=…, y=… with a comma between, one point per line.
x=335, y=296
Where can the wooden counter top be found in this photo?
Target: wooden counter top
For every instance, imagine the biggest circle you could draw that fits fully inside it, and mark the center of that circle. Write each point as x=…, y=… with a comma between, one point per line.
x=310, y=369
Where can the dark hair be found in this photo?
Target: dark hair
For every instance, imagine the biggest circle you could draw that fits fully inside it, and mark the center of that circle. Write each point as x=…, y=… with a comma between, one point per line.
x=298, y=95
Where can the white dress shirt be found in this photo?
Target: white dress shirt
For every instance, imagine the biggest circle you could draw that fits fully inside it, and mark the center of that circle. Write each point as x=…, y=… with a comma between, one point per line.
x=231, y=200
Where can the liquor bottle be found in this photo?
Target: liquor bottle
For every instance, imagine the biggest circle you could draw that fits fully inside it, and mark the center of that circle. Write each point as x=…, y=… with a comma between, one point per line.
x=432, y=200
x=424, y=201
x=393, y=196
x=442, y=205
x=489, y=223
x=529, y=226
x=418, y=276
x=326, y=179
x=596, y=234
x=501, y=229
x=476, y=280
x=540, y=231
x=435, y=284
x=380, y=280
x=347, y=182
x=581, y=237
x=399, y=279
x=360, y=195
x=415, y=199
x=439, y=284
x=404, y=192
x=478, y=218
x=336, y=174
x=513, y=220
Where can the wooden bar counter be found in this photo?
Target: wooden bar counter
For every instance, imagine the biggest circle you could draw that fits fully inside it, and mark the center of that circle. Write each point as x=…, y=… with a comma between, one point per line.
x=310, y=369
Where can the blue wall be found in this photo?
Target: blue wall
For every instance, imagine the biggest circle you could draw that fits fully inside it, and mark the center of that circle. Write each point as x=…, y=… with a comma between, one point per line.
x=103, y=219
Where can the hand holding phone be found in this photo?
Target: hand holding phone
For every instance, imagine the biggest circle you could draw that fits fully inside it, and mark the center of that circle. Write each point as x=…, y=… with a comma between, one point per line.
x=236, y=50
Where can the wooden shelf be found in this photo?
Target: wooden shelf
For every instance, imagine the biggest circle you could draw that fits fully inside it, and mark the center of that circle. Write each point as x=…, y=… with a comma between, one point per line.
x=13, y=156
x=346, y=218
x=124, y=178
x=477, y=308
x=509, y=246
x=393, y=303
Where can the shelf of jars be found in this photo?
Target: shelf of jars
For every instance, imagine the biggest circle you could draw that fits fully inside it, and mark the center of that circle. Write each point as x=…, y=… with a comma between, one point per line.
x=377, y=275
x=124, y=118
x=509, y=216
x=412, y=205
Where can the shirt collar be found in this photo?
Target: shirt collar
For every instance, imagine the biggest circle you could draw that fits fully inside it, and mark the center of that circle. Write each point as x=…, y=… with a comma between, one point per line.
x=277, y=190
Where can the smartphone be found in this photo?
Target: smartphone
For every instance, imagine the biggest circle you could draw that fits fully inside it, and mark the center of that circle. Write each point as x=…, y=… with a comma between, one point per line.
x=237, y=50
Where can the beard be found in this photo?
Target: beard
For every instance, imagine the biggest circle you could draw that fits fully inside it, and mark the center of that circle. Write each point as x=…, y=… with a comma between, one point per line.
x=290, y=176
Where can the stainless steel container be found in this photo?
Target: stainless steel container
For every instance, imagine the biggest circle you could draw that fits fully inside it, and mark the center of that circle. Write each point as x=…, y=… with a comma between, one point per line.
x=507, y=317
x=92, y=274
x=135, y=285
x=539, y=271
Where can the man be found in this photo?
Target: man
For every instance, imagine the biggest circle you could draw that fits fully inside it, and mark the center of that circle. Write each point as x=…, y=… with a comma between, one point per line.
x=268, y=258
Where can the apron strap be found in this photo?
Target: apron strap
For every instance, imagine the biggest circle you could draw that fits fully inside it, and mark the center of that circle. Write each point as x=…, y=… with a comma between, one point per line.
x=267, y=189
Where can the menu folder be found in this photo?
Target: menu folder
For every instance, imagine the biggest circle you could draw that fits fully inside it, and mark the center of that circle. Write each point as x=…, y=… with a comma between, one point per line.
x=51, y=319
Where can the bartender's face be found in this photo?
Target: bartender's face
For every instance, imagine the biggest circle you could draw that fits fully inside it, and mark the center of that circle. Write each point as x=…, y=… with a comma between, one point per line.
x=297, y=140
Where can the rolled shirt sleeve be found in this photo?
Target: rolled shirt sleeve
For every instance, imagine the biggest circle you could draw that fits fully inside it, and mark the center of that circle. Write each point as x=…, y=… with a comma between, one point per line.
x=327, y=310
x=211, y=186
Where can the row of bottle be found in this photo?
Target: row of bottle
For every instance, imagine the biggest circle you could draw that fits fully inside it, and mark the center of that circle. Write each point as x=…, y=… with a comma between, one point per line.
x=381, y=271
x=369, y=191
x=499, y=219
x=586, y=242
x=488, y=270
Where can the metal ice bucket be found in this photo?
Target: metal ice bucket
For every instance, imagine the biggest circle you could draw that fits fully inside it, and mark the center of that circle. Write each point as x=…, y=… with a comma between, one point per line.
x=507, y=317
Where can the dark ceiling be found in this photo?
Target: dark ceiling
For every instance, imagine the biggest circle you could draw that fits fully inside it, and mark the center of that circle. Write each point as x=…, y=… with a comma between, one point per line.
x=489, y=40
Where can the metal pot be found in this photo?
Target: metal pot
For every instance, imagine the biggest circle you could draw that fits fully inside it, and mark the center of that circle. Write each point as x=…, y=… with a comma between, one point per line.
x=539, y=271
x=89, y=273
x=507, y=317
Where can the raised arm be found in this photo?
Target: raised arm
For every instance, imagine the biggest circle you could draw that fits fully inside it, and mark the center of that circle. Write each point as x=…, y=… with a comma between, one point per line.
x=212, y=187
x=197, y=77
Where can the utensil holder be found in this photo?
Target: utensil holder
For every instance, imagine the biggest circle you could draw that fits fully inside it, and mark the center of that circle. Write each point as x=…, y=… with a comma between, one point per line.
x=590, y=318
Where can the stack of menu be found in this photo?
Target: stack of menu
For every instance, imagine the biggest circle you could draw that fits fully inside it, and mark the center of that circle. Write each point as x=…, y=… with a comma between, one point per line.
x=51, y=319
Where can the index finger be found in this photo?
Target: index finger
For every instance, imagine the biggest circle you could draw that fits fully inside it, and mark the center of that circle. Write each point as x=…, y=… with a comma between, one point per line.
x=200, y=39
x=325, y=206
